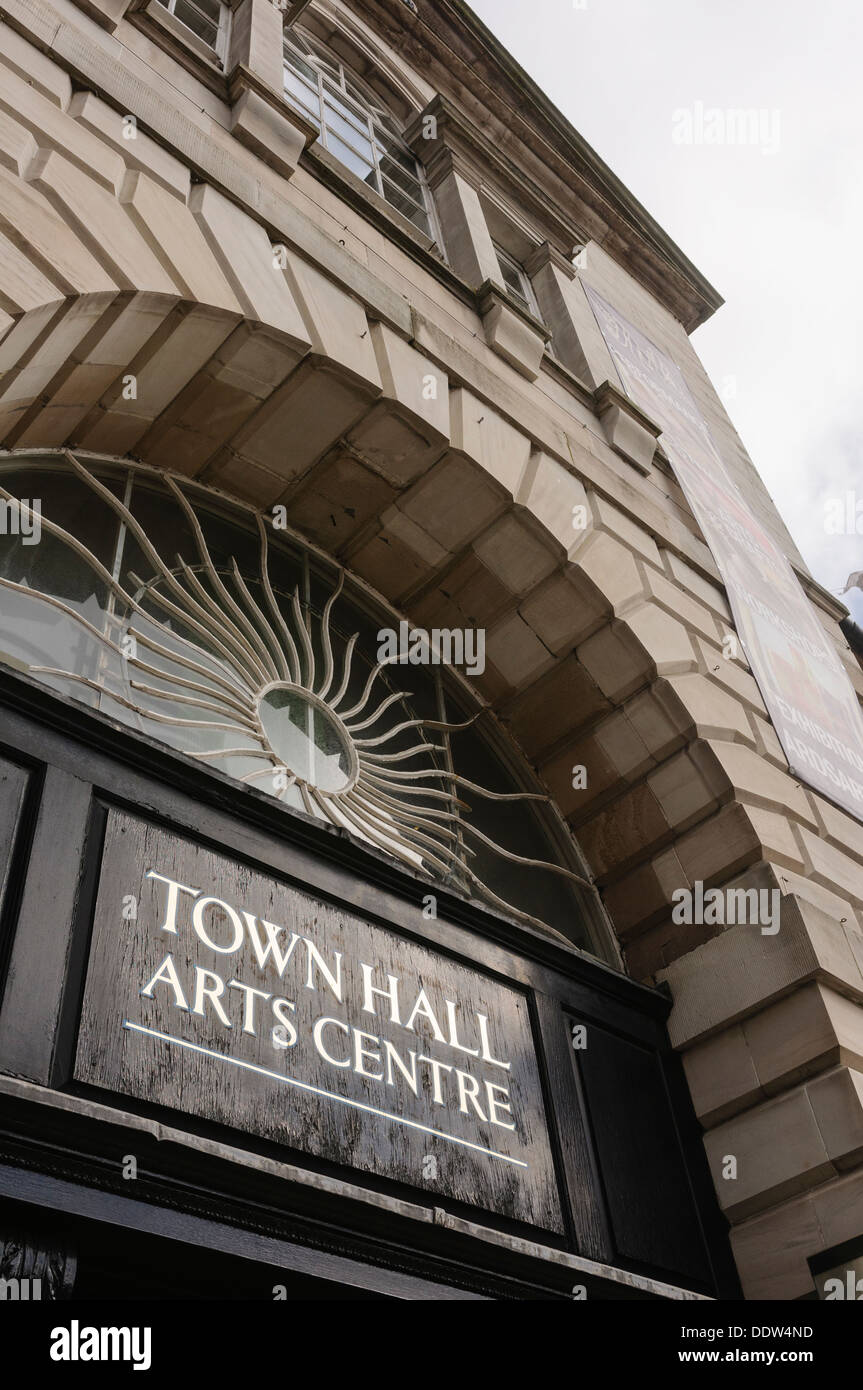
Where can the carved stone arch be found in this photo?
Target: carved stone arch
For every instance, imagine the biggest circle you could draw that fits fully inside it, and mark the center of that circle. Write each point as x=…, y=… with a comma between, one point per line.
x=155, y=319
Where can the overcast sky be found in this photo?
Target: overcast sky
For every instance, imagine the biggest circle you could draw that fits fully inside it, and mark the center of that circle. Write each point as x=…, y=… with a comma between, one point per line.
x=776, y=226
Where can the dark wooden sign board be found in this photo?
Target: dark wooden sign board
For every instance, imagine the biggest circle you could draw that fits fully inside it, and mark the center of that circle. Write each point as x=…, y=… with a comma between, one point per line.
x=223, y=993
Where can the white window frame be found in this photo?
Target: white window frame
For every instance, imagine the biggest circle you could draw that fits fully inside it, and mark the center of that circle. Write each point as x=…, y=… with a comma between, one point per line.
x=220, y=49
x=380, y=125
x=506, y=260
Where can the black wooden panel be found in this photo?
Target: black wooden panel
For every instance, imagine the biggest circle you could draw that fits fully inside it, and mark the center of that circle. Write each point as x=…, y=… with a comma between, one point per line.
x=14, y=783
x=42, y=943
x=650, y=1204
x=335, y=1089
x=13, y=788
x=582, y=1185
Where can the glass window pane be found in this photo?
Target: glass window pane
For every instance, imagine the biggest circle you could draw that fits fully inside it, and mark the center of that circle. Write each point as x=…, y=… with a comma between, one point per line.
x=211, y=8
x=513, y=278
x=391, y=146
x=400, y=176
x=420, y=218
x=405, y=205
x=33, y=560
x=300, y=66
x=327, y=66
x=364, y=168
x=198, y=24
x=350, y=133
x=356, y=117
x=301, y=94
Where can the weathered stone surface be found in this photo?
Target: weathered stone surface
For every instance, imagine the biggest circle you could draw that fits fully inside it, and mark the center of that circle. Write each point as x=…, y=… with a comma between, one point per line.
x=705, y=590
x=545, y=713
x=680, y=604
x=721, y=1075
x=163, y=367
x=552, y=494
x=779, y=1151
x=338, y=500
x=517, y=652
x=481, y=433
x=624, y=429
x=301, y=421
x=771, y=1251
x=270, y=132
x=754, y=780
x=615, y=661
x=831, y=866
x=55, y=130
x=242, y=248
x=713, y=712
x=41, y=234
x=35, y=67
x=731, y=673
x=664, y=640
x=468, y=241
x=837, y=1104
x=142, y=153
x=131, y=263
x=612, y=519
x=513, y=338
x=560, y=612
x=179, y=242
x=611, y=567
x=453, y=502
x=514, y=554
x=740, y=971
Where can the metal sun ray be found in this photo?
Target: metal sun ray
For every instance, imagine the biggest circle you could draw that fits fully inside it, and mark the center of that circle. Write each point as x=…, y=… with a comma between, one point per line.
x=232, y=648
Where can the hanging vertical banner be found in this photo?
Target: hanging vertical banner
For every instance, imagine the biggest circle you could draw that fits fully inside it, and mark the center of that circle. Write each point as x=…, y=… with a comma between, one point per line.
x=810, y=698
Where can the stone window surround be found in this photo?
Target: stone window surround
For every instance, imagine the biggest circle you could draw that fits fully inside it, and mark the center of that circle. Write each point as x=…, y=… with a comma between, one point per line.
x=187, y=35
x=182, y=43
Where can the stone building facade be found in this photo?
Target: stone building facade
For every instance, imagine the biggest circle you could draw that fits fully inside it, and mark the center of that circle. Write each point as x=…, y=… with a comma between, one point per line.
x=385, y=331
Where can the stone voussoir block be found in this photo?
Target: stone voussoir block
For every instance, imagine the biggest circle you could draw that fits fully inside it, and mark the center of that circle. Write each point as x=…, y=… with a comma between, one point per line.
x=671, y=596
x=664, y=639
x=744, y=969
x=109, y=125
x=610, y=518
x=562, y=613
x=616, y=661
x=611, y=568
x=778, y=1150
x=35, y=67
x=557, y=499
x=708, y=709
x=705, y=590
x=478, y=431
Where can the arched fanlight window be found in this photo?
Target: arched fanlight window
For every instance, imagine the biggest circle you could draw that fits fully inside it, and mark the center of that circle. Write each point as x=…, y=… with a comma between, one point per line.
x=189, y=618
x=355, y=128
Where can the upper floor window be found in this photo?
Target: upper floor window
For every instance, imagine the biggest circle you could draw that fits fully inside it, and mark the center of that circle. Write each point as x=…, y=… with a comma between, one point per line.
x=354, y=128
x=208, y=19
x=516, y=281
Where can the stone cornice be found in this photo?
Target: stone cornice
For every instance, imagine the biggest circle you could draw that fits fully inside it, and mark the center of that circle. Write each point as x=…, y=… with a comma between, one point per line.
x=489, y=294
x=456, y=50
x=460, y=144
x=546, y=254
x=608, y=397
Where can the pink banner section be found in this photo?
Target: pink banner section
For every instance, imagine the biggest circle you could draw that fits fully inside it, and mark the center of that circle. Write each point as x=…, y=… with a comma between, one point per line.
x=811, y=700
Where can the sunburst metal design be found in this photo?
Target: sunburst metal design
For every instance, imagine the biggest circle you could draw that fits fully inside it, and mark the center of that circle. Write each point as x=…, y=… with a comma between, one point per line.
x=195, y=638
